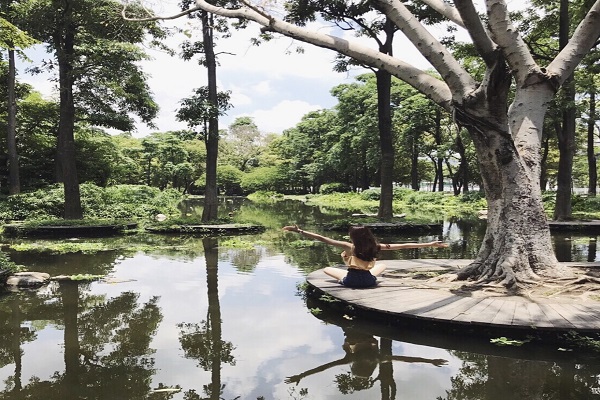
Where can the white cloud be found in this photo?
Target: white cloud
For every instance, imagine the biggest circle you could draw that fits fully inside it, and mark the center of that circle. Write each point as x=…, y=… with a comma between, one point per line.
x=285, y=114
x=262, y=88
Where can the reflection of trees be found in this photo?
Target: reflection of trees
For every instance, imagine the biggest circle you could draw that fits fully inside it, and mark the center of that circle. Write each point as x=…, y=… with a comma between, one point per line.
x=203, y=342
x=496, y=378
x=12, y=338
x=106, y=345
x=244, y=260
x=99, y=263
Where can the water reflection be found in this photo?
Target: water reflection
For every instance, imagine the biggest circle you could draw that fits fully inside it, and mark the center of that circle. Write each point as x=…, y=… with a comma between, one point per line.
x=491, y=377
x=479, y=370
x=105, y=342
x=364, y=353
x=187, y=318
x=202, y=341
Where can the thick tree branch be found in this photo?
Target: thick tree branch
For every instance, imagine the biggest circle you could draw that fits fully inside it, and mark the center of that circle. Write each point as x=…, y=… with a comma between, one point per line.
x=584, y=38
x=510, y=41
x=435, y=89
x=479, y=35
x=457, y=78
x=446, y=10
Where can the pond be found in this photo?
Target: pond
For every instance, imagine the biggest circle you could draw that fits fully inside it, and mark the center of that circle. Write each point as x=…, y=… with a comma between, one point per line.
x=183, y=317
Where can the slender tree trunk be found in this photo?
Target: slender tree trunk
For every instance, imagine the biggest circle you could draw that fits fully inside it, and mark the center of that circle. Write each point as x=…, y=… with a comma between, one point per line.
x=384, y=109
x=384, y=84
x=14, y=185
x=414, y=164
x=438, y=142
x=591, y=153
x=66, y=141
x=365, y=176
x=212, y=138
x=566, y=147
x=566, y=136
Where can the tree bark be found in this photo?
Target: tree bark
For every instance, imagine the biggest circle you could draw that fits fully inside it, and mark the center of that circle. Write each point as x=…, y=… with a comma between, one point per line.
x=209, y=213
x=591, y=154
x=64, y=40
x=14, y=185
x=516, y=248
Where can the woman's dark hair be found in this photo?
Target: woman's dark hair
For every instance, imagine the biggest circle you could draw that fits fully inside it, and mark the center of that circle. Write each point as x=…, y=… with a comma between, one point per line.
x=365, y=245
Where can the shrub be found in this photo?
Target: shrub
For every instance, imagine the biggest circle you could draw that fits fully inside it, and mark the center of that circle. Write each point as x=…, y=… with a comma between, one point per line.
x=115, y=202
x=472, y=196
x=401, y=193
x=261, y=178
x=371, y=194
x=334, y=187
x=229, y=180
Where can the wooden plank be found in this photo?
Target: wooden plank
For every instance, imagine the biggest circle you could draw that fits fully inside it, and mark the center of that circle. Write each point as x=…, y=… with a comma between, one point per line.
x=522, y=317
x=452, y=309
x=394, y=302
x=590, y=310
x=486, y=316
x=505, y=314
x=574, y=316
x=555, y=318
x=415, y=299
x=446, y=300
x=467, y=315
x=539, y=319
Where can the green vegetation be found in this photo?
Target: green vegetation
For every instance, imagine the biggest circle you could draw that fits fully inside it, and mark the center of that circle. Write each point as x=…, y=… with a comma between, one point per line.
x=583, y=342
x=504, y=341
x=101, y=205
x=61, y=248
x=7, y=265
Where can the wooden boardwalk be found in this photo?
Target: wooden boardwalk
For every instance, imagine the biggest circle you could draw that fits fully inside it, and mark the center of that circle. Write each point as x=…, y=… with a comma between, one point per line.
x=393, y=299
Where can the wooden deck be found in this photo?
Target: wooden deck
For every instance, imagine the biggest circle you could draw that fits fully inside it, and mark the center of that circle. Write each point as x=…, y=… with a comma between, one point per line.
x=393, y=300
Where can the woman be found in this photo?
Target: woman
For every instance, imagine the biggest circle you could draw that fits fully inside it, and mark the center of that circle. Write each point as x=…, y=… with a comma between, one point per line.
x=359, y=255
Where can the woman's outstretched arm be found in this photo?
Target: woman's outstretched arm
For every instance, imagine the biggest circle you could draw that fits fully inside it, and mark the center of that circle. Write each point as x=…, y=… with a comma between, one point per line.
x=400, y=246
x=316, y=236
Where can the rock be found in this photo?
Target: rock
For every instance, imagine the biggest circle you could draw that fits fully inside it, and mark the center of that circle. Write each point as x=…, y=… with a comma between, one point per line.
x=160, y=217
x=28, y=279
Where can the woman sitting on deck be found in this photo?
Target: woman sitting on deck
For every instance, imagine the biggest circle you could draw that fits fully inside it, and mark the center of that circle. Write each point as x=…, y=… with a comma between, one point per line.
x=359, y=255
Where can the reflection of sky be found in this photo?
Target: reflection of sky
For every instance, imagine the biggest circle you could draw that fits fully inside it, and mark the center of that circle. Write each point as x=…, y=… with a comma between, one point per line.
x=273, y=333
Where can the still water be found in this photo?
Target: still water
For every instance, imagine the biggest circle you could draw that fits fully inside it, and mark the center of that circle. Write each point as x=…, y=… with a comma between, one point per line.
x=183, y=317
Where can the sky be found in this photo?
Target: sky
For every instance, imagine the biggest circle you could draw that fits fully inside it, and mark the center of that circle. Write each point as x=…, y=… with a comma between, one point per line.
x=271, y=83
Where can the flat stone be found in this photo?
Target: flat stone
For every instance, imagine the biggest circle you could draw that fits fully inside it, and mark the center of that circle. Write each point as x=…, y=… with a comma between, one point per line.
x=28, y=279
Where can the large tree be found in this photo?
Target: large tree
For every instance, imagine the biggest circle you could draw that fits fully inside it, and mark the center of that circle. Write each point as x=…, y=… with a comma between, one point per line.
x=505, y=126
x=100, y=82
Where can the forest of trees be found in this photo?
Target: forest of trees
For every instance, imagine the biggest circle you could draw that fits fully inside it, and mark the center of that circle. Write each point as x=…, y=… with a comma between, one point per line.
x=337, y=147
x=331, y=146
